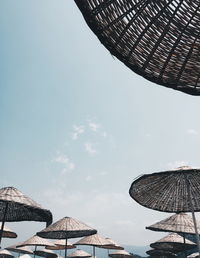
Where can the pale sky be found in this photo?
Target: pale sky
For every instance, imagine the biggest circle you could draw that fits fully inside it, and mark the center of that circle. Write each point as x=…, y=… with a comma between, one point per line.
x=77, y=126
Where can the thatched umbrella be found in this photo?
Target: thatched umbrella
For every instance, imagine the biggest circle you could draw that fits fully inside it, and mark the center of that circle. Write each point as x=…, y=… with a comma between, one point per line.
x=61, y=245
x=194, y=255
x=20, y=250
x=5, y=254
x=160, y=253
x=45, y=253
x=158, y=40
x=113, y=245
x=120, y=254
x=79, y=254
x=25, y=256
x=170, y=191
x=15, y=206
x=35, y=241
x=7, y=232
x=174, y=243
x=66, y=228
x=95, y=241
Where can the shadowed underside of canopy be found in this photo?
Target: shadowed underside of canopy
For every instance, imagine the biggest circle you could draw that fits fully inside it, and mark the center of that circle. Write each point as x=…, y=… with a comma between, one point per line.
x=120, y=254
x=156, y=39
x=22, y=250
x=45, y=253
x=160, y=253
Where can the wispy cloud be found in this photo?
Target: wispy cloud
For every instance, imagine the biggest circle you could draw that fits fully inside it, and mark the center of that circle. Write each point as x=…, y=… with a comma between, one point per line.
x=68, y=165
x=94, y=126
x=89, y=148
x=176, y=164
x=77, y=131
x=192, y=131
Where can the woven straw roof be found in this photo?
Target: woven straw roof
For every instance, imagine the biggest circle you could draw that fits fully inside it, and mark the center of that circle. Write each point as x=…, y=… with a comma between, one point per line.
x=194, y=255
x=60, y=245
x=167, y=191
x=158, y=253
x=79, y=254
x=21, y=207
x=22, y=250
x=113, y=245
x=94, y=240
x=158, y=40
x=45, y=253
x=173, y=242
x=180, y=223
x=120, y=253
x=7, y=232
x=66, y=228
x=35, y=241
x=5, y=254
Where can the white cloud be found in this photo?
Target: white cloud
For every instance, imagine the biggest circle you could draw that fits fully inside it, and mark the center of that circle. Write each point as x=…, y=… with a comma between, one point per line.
x=88, y=178
x=192, y=132
x=77, y=131
x=176, y=164
x=66, y=162
x=94, y=126
x=89, y=147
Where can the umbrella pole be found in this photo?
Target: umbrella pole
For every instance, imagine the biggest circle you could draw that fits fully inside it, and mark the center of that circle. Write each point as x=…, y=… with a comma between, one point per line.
x=193, y=216
x=93, y=251
x=35, y=250
x=185, y=251
x=65, y=247
x=3, y=222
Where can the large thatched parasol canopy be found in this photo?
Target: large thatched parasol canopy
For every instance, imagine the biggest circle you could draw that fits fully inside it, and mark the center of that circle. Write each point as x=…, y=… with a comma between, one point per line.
x=174, y=243
x=120, y=254
x=180, y=223
x=15, y=206
x=5, y=254
x=158, y=40
x=21, y=250
x=45, y=253
x=61, y=245
x=79, y=254
x=160, y=253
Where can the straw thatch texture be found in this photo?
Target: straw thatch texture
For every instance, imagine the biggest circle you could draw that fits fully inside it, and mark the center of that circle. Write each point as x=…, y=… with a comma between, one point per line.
x=21, y=207
x=156, y=39
x=79, y=254
x=194, y=255
x=113, y=245
x=60, y=245
x=8, y=233
x=21, y=250
x=94, y=240
x=158, y=253
x=66, y=228
x=180, y=223
x=174, y=243
x=35, y=241
x=168, y=191
x=120, y=254
x=45, y=253
x=5, y=254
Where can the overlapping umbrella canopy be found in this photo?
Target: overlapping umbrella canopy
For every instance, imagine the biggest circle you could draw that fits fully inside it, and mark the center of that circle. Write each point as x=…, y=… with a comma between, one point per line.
x=45, y=253
x=15, y=206
x=113, y=245
x=21, y=250
x=5, y=254
x=120, y=254
x=7, y=232
x=156, y=39
x=79, y=254
x=160, y=253
x=60, y=245
x=35, y=241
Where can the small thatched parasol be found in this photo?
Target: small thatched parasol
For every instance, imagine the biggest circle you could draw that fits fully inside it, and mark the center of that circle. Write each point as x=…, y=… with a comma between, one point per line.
x=194, y=255
x=170, y=191
x=120, y=254
x=174, y=243
x=45, y=253
x=79, y=254
x=113, y=245
x=158, y=40
x=20, y=250
x=61, y=245
x=5, y=254
x=160, y=253
x=35, y=241
x=67, y=228
x=95, y=241
x=15, y=206
x=8, y=233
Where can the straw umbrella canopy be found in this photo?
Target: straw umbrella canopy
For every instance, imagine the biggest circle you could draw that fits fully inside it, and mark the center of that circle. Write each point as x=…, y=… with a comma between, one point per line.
x=61, y=245
x=120, y=254
x=95, y=241
x=65, y=228
x=170, y=191
x=25, y=256
x=174, y=243
x=79, y=254
x=20, y=250
x=113, y=245
x=15, y=206
x=35, y=241
x=5, y=254
x=194, y=255
x=158, y=40
x=158, y=253
x=7, y=232
x=45, y=253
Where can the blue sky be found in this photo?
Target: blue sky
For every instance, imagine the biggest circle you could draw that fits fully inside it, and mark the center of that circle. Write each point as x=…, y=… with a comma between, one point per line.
x=77, y=126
